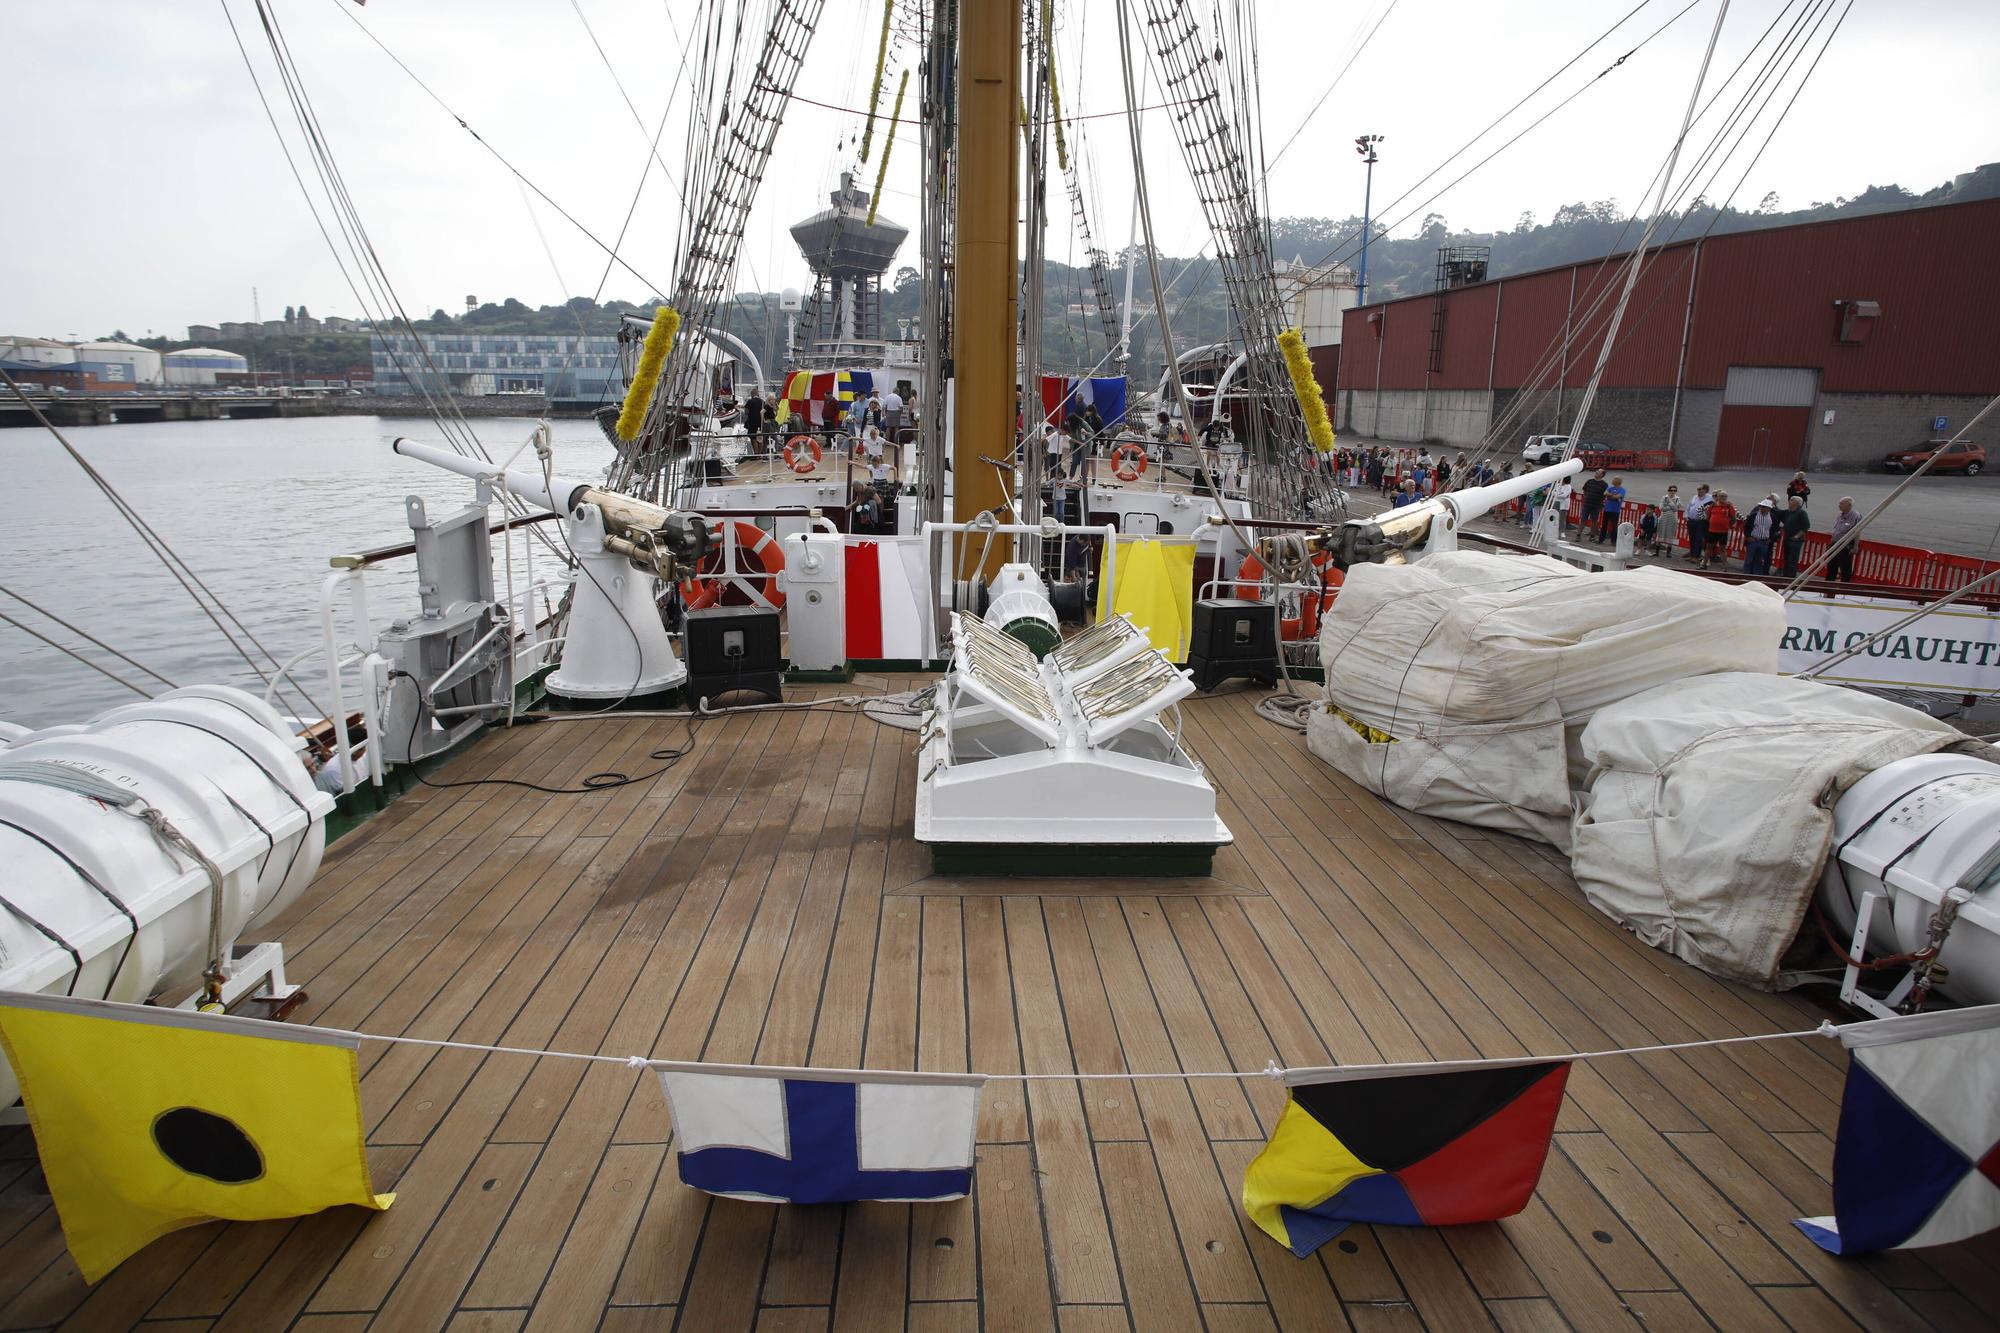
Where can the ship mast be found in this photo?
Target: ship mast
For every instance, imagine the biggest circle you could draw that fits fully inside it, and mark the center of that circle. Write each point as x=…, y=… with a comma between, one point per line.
x=985, y=314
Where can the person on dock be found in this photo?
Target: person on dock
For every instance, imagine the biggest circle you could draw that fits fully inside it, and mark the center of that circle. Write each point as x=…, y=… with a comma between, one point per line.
x=1797, y=486
x=1841, y=568
x=1614, y=506
x=1407, y=495
x=1760, y=529
x=1794, y=523
x=1719, y=517
x=1593, y=502
x=1697, y=521
x=1672, y=506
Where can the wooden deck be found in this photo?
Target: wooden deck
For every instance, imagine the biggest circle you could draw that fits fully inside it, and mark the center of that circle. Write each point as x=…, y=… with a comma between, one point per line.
x=763, y=901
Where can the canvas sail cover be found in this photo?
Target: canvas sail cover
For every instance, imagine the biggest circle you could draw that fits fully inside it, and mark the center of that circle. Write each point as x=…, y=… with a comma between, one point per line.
x=1485, y=669
x=1708, y=810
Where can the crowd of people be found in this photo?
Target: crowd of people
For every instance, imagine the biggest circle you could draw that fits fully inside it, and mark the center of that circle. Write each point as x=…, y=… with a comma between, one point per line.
x=1773, y=528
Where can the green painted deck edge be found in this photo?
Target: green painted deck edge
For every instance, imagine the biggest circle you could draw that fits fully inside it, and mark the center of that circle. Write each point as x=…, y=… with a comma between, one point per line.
x=1071, y=860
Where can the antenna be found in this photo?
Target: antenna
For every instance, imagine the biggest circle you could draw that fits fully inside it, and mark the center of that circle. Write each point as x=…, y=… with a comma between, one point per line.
x=256, y=310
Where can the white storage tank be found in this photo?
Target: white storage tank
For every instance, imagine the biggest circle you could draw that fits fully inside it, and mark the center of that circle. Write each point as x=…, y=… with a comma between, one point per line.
x=36, y=352
x=119, y=363
x=200, y=365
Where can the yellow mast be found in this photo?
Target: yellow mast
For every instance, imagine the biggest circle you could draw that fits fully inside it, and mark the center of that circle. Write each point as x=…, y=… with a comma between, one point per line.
x=985, y=284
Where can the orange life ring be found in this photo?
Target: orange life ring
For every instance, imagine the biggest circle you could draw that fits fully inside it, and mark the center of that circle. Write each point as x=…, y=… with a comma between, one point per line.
x=795, y=458
x=1128, y=461
x=1312, y=605
x=711, y=585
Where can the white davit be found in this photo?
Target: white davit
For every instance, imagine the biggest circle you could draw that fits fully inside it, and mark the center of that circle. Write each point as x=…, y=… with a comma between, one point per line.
x=93, y=902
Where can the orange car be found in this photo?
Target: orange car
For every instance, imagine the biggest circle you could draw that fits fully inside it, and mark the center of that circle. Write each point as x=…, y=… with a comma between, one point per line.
x=1964, y=456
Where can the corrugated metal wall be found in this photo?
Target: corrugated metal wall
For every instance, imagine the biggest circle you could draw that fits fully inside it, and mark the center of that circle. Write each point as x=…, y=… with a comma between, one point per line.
x=1766, y=298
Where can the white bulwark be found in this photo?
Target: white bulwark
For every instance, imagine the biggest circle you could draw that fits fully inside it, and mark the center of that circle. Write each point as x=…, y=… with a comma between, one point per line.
x=1953, y=651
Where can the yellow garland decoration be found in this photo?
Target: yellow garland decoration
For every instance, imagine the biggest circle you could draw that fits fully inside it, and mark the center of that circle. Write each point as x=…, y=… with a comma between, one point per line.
x=882, y=172
x=666, y=323
x=875, y=89
x=1055, y=100
x=1318, y=428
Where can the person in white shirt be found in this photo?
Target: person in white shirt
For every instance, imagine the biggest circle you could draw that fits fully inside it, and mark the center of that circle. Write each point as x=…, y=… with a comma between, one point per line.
x=892, y=414
x=879, y=470
x=871, y=443
x=1563, y=493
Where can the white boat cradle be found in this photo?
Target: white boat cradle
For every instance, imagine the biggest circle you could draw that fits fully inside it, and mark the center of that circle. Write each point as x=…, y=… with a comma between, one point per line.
x=96, y=902
x=1063, y=753
x=1916, y=866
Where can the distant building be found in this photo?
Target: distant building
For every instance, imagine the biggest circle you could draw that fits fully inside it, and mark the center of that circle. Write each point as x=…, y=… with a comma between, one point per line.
x=339, y=324
x=205, y=333
x=200, y=365
x=306, y=324
x=1315, y=296
x=1813, y=345
x=477, y=364
x=242, y=330
x=276, y=328
x=119, y=365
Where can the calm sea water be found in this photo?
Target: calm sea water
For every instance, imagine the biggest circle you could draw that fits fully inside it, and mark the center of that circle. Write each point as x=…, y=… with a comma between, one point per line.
x=256, y=507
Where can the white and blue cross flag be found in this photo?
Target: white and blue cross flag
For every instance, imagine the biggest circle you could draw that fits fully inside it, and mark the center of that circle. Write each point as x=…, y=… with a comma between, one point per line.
x=813, y=1136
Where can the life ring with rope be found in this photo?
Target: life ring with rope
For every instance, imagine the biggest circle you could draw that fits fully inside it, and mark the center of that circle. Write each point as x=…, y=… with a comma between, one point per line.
x=1128, y=461
x=795, y=453
x=1312, y=603
x=714, y=584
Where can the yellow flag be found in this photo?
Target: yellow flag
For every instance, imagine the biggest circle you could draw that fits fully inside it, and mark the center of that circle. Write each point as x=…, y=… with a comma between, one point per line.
x=1155, y=586
x=149, y=1120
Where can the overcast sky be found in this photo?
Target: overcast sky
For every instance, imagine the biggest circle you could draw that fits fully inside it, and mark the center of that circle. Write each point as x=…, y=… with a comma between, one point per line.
x=146, y=190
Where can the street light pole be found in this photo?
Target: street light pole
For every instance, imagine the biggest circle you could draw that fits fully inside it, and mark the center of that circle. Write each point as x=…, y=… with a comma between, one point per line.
x=1365, y=145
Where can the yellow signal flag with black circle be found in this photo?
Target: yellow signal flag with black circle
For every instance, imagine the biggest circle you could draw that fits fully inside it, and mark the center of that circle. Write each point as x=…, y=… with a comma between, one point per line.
x=149, y=1120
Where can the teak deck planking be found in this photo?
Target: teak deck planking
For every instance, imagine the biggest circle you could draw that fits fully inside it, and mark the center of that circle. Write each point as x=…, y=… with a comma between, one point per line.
x=762, y=899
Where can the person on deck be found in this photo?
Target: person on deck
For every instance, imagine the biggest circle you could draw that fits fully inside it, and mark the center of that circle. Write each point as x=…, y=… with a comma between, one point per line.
x=1697, y=521
x=1093, y=426
x=1841, y=568
x=892, y=415
x=1720, y=517
x=1795, y=523
x=1760, y=529
x=753, y=420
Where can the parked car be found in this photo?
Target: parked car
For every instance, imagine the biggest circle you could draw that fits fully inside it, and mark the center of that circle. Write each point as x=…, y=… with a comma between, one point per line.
x=1964, y=456
x=1544, y=449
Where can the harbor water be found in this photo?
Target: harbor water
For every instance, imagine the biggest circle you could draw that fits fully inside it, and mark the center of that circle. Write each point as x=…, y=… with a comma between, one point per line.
x=256, y=508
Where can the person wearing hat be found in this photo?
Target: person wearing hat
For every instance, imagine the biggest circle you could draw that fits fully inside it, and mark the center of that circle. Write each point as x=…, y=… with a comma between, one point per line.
x=1760, y=528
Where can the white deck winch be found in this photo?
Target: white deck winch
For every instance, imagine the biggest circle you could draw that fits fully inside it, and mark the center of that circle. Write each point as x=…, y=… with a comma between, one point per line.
x=1064, y=752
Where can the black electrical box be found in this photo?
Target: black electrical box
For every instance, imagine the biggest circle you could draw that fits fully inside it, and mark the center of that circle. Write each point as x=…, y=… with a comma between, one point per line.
x=1233, y=638
x=733, y=648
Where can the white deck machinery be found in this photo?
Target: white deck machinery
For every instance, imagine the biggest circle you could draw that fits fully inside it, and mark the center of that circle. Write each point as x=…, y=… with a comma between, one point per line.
x=616, y=646
x=1059, y=764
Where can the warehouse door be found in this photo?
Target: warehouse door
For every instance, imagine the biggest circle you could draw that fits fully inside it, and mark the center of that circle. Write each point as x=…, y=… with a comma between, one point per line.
x=1766, y=417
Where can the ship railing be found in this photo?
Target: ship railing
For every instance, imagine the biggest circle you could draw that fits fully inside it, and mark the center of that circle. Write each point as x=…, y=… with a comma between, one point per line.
x=530, y=606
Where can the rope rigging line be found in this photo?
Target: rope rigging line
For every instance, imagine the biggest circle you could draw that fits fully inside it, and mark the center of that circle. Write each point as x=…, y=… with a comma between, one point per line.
x=65, y=648
x=1796, y=41
x=1271, y=1070
x=87, y=637
x=183, y=573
